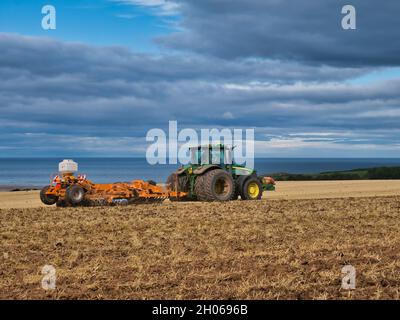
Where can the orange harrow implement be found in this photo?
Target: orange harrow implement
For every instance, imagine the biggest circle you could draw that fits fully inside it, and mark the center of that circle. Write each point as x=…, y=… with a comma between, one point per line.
x=68, y=190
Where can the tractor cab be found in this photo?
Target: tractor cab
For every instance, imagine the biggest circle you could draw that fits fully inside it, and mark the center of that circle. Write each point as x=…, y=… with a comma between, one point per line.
x=218, y=154
x=205, y=156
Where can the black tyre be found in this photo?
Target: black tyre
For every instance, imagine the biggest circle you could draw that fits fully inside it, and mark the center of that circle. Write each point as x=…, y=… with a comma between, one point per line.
x=74, y=194
x=47, y=199
x=239, y=185
x=179, y=183
x=251, y=189
x=199, y=189
x=61, y=204
x=215, y=185
x=94, y=202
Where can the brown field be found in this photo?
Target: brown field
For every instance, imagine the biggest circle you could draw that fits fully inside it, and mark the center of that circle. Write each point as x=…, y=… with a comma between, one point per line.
x=268, y=249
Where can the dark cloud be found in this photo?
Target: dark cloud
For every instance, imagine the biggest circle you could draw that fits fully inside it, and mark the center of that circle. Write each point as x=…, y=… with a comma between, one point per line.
x=57, y=97
x=308, y=31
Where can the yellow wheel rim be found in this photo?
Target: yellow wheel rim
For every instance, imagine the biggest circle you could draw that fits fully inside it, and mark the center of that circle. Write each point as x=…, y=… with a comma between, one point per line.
x=253, y=190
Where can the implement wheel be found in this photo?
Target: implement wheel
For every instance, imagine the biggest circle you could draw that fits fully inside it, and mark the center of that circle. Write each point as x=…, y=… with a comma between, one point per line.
x=46, y=198
x=215, y=185
x=74, y=195
x=61, y=204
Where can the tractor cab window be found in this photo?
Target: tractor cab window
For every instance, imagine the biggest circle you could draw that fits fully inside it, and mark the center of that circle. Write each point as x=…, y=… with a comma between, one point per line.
x=204, y=156
x=217, y=157
x=199, y=156
x=228, y=156
x=194, y=156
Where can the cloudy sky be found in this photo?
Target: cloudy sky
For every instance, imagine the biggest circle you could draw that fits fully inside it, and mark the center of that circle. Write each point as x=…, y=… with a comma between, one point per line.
x=114, y=69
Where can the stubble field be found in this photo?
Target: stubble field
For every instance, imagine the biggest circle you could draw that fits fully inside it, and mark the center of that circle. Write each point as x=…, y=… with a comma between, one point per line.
x=268, y=249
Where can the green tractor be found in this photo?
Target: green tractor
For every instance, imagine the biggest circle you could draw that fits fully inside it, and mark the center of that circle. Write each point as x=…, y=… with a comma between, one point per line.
x=212, y=175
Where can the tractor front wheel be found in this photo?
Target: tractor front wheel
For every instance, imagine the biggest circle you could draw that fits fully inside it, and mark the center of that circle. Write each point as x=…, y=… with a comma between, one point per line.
x=74, y=194
x=252, y=189
x=47, y=198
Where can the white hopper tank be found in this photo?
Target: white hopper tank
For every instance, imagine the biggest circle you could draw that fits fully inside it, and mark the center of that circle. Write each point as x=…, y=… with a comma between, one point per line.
x=67, y=166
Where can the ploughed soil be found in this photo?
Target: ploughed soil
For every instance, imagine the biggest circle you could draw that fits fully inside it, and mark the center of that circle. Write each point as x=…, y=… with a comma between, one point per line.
x=267, y=249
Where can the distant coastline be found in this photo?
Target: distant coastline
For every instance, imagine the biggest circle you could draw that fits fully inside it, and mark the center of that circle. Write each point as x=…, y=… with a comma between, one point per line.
x=13, y=188
x=377, y=173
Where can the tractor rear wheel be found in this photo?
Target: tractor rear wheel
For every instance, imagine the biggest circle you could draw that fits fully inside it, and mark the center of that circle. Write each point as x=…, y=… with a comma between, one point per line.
x=74, y=194
x=199, y=189
x=215, y=185
x=252, y=189
x=46, y=198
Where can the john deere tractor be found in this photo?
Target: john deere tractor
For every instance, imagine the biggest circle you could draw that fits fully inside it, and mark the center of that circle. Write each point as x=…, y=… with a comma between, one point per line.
x=212, y=175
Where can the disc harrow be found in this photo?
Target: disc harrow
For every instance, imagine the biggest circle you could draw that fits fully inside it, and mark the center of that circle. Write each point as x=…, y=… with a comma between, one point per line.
x=70, y=191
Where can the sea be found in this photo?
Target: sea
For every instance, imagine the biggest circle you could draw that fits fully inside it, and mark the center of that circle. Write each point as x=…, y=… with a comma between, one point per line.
x=37, y=172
